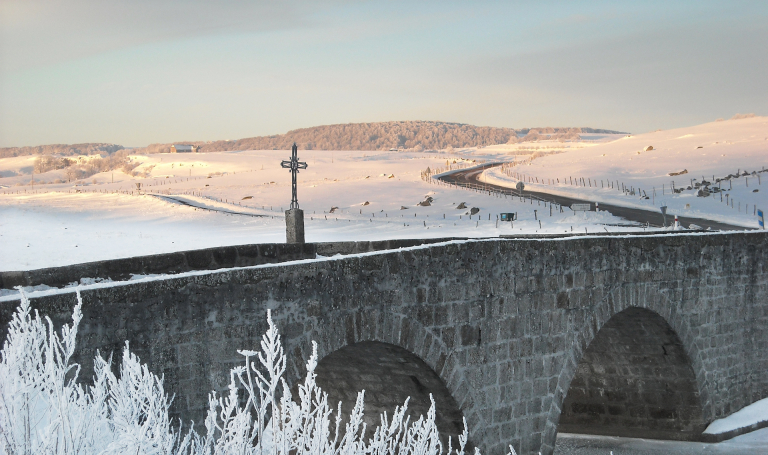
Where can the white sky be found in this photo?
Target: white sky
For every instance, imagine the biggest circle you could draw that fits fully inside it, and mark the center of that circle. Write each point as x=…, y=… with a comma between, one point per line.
x=140, y=71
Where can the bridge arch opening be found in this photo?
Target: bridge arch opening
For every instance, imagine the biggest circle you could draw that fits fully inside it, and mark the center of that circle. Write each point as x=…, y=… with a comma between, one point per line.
x=389, y=374
x=636, y=380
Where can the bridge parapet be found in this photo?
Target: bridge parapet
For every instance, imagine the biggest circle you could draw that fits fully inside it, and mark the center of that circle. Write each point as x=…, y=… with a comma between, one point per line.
x=504, y=323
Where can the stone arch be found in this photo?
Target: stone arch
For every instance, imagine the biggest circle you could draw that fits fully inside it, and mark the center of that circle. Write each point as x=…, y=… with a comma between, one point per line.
x=635, y=380
x=389, y=375
x=342, y=329
x=652, y=300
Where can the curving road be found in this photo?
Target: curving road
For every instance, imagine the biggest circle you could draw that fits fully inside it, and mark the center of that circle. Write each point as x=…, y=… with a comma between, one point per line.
x=470, y=178
x=181, y=201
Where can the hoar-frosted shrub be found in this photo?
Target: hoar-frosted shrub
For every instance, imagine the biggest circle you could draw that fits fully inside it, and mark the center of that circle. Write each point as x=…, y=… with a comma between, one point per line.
x=44, y=408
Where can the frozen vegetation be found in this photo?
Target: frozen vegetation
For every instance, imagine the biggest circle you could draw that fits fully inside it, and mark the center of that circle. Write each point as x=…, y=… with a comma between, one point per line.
x=45, y=408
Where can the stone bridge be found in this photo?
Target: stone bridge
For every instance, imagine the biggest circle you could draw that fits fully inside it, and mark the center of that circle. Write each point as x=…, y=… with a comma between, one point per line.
x=652, y=336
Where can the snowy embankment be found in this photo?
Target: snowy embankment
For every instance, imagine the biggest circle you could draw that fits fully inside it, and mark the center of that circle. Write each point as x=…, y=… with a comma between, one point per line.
x=662, y=168
x=753, y=416
x=755, y=443
x=747, y=425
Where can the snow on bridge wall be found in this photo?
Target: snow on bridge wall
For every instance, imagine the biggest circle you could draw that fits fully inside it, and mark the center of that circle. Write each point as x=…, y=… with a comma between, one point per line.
x=504, y=323
x=204, y=259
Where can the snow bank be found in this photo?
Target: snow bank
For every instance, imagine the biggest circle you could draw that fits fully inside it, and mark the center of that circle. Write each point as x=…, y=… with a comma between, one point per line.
x=754, y=414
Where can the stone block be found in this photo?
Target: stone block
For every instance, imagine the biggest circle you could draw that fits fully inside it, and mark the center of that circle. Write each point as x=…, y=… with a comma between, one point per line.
x=294, y=226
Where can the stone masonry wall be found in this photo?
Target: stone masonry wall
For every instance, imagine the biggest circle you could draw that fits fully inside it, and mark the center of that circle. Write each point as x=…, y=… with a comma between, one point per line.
x=504, y=323
x=204, y=259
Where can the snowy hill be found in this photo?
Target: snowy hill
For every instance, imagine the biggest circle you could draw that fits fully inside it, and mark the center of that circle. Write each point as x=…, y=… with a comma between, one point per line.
x=726, y=160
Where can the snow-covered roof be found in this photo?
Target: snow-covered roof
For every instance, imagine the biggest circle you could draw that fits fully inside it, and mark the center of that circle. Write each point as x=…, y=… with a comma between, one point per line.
x=183, y=147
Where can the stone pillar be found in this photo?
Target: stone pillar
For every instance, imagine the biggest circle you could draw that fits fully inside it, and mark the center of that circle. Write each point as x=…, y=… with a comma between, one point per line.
x=294, y=226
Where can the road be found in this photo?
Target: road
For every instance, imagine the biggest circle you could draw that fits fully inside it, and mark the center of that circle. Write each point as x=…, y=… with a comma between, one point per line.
x=179, y=200
x=470, y=178
x=755, y=443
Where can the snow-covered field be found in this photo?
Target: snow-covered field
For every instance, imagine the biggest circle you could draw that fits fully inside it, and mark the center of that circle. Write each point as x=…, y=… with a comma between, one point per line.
x=377, y=194
x=54, y=224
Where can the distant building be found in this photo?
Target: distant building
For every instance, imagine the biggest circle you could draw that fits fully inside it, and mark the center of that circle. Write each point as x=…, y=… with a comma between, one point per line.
x=181, y=148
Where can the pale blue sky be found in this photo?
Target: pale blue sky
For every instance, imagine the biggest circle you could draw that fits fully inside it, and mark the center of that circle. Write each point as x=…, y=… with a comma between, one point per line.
x=143, y=71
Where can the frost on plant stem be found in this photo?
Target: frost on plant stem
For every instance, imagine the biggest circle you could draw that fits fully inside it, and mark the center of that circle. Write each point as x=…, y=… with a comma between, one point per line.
x=44, y=409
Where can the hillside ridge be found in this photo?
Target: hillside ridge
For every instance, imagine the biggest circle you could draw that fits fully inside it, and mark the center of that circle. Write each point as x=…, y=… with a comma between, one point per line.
x=61, y=149
x=415, y=135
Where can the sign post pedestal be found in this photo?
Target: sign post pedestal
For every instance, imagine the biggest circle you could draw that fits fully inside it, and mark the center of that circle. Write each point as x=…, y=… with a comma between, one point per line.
x=294, y=226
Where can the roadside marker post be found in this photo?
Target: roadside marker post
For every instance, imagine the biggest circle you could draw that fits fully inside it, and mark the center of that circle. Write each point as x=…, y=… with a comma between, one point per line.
x=760, y=219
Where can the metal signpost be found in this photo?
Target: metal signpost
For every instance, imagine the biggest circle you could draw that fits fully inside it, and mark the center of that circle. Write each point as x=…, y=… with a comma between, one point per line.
x=508, y=217
x=294, y=217
x=663, y=209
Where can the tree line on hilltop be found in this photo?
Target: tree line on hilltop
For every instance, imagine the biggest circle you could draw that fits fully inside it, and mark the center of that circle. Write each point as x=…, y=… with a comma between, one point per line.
x=61, y=150
x=404, y=135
